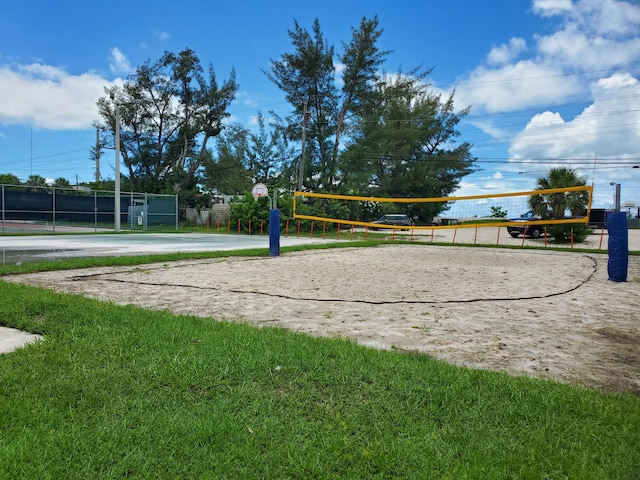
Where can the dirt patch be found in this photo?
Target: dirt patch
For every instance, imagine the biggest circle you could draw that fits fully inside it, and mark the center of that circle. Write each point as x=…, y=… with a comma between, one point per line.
x=543, y=314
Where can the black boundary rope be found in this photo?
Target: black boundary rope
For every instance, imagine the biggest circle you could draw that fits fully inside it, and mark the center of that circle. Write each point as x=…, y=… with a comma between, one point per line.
x=337, y=300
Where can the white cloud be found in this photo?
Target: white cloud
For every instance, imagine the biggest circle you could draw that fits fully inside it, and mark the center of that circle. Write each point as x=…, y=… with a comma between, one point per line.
x=515, y=86
x=613, y=18
x=602, y=17
x=484, y=185
x=118, y=62
x=548, y=8
x=507, y=53
x=48, y=97
x=576, y=50
x=616, y=81
x=162, y=36
x=246, y=99
x=544, y=120
x=590, y=59
x=595, y=38
x=608, y=129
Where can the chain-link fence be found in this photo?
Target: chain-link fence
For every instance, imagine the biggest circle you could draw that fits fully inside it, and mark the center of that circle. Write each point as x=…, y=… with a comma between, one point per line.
x=26, y=208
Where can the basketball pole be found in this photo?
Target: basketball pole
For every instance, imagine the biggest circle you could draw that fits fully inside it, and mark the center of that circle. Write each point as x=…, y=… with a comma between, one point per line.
x=274, y=227
x=261, y=190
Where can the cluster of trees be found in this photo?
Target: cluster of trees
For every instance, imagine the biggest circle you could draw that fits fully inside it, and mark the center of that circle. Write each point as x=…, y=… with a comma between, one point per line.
x=357, y=131
x=33, y=181
x=557, y=205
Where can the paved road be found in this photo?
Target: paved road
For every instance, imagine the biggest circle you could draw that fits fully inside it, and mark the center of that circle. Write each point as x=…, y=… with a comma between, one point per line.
x=14, y=249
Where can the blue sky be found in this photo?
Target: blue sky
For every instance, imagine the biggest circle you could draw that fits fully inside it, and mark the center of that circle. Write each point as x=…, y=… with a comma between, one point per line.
x=551, y=82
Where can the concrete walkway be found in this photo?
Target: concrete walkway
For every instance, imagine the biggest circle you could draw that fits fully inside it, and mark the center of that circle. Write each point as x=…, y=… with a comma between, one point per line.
x=11, y=339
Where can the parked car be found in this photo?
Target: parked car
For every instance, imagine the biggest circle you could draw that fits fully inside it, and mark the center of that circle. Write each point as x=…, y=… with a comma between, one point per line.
x=393, y=219
x=532, y=231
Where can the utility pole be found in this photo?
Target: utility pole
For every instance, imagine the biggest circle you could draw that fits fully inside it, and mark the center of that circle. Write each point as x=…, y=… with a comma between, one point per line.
x=97, y=155
x=116, y=222
x=305, y=117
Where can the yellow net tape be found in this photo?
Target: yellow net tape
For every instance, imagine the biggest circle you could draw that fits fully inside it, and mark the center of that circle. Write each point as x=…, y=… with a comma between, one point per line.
x=473, y=209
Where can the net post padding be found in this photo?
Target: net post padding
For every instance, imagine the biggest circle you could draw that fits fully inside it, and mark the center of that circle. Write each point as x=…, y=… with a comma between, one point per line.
x=618, y=247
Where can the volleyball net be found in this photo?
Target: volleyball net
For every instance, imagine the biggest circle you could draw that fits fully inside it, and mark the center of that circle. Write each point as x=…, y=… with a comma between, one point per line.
x=492, y=210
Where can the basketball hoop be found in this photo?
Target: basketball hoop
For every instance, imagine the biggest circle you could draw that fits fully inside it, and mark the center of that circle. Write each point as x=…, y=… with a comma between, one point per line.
x=259, y=190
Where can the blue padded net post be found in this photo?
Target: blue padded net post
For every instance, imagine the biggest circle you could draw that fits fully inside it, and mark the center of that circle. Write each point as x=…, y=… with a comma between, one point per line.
x=618, y=246
x=274, y=233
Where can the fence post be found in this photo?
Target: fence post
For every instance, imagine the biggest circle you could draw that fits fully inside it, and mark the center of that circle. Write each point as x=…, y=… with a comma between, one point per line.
x=53, y=208
x=177, y=213
x=145, y=212
x=2, y=208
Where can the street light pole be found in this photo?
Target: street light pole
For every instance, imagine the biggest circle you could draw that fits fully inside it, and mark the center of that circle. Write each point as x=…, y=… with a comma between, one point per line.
x=616, y=196
x=116, y=225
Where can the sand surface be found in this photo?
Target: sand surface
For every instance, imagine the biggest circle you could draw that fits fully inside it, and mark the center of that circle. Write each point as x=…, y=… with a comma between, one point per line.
x=545, y=314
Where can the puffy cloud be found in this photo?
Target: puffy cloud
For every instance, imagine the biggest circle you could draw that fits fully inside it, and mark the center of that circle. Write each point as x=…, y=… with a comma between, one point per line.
x=575, y=49
x=615, y=82
x=516, y=86
x=595, y=38
x=613, y=18
x=548, y=8
x=486, y=185
x=606, y=129
x=118, y=62
x=507, y=53
x=48, y=97
x=601, y=17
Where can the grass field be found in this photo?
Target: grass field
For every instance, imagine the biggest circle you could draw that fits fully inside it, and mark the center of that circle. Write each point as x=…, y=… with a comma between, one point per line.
x=119, y=392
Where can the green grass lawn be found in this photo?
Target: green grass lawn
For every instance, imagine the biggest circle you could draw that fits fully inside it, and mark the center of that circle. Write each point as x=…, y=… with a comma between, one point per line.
x=116, y=392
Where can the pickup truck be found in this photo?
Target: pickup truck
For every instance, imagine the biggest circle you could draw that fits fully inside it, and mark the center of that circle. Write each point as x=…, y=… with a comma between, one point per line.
x=532, y=231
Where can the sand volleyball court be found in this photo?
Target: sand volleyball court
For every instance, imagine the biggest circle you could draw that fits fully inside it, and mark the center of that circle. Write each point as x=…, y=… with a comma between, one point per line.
x=538, y=313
